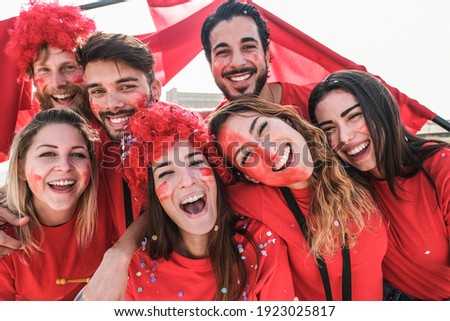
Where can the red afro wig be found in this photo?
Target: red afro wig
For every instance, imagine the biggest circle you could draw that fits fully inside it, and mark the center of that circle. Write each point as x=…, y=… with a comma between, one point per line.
x=154, y=130
x=46, y=24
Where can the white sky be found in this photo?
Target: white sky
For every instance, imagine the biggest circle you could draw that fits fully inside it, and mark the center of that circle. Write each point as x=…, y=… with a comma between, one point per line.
x=406, y=42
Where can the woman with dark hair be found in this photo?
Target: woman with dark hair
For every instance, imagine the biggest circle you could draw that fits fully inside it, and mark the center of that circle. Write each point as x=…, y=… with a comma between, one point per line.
x=196, y=247
x=336, y=240
x=409, y=176
x=52, y=179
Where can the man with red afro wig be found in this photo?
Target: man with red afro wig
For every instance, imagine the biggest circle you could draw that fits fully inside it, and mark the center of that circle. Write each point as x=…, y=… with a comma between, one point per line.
x=42, y=44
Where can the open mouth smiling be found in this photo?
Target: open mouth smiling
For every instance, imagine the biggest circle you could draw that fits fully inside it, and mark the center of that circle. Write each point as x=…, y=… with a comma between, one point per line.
x=358, y=149
x=62, y=185
x=63, y=99
x=284, y=160
x=194, y=204
x=240, y=78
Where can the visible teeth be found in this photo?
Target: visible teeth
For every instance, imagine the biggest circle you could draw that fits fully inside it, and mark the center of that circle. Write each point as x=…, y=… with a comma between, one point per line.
x=240, y=78
x=357, y=149
x=119, y=120
x=62, y=183
x=192, y=199
x=283, y=159
x=61, y=96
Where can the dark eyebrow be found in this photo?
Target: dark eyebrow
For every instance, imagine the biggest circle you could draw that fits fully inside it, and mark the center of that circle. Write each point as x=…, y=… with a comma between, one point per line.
x=126, y=79
x=325, y=123
x=343, y=114
x=168, y=163
x=252, y=125
x=247, y=39
x=219, y=45
x=192, y=154
x=92, y=85
x=121, y=80
x=161, y=165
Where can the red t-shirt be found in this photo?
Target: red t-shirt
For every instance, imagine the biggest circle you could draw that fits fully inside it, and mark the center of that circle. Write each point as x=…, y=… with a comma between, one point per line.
x=184, y=279
x=267, y=204
x=111, y=181
x=418, y=258
x=296, y=95
x=59, y=258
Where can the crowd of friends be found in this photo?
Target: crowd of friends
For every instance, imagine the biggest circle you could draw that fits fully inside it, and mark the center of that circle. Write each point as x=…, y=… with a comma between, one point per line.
x=283, y=192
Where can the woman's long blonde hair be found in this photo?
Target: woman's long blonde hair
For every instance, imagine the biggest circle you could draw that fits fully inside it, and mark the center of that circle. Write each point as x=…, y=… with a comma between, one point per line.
x=339, y=206
x=19, y=196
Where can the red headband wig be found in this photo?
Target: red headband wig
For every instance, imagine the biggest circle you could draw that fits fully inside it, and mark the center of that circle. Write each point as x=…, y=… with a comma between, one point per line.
x=46, y=24
x=153, y=131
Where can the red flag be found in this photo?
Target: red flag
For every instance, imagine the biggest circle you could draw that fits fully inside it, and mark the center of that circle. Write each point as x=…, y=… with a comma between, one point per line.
x=297, y=58
x=177, y=38
x=14, y=96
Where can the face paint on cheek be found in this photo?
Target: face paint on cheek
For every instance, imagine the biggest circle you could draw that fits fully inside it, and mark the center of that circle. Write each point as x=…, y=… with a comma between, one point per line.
x=206, y=172
x=363, y=127
x=256, y=57
x=86, y=177
x=162, y=191
x=39, y=84
x=140, y=101
x=259, y=165
x=34, y=180
x=217, y=67
x=230, y=141
x=207, y=175
x=76, y=79
x=94, y=107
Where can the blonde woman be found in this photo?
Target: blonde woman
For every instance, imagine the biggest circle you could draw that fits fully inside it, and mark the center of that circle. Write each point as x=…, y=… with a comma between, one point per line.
x=52, y=179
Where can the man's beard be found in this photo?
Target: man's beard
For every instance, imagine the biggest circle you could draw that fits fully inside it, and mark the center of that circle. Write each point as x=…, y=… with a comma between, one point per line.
x=102, y=115
x=80, y=103
x=259, y=84
x=114, y=134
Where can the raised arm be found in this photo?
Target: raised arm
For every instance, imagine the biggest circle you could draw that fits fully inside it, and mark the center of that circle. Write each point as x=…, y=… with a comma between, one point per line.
x=110, y=280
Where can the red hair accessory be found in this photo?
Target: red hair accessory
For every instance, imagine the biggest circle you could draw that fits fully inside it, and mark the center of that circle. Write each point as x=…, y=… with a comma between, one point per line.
x=152, y=131
x=46, y=24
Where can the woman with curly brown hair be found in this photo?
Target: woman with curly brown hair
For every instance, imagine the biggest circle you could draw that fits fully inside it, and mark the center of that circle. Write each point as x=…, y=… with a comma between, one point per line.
x=335, y=236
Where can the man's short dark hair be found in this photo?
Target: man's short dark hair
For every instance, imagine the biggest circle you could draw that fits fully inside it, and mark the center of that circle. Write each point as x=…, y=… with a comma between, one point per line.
x=228, y=10
x=118, y=48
